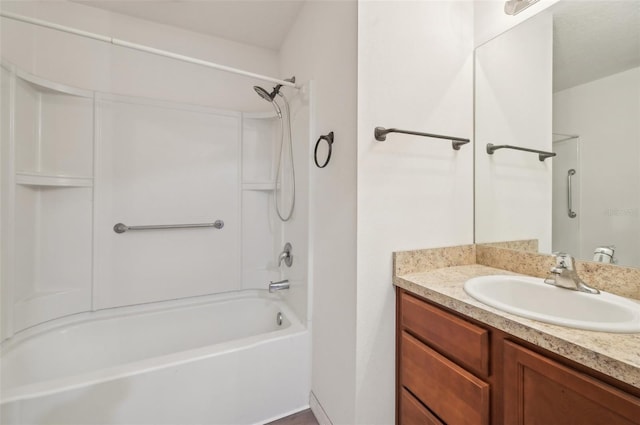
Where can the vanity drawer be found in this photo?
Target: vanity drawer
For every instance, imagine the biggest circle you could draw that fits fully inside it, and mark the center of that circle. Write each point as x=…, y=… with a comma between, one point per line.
x=465, y=342
x=452, y=393
x=412, y=412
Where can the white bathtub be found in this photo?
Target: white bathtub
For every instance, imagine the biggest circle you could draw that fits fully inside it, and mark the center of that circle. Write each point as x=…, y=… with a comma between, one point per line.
x=219, y=359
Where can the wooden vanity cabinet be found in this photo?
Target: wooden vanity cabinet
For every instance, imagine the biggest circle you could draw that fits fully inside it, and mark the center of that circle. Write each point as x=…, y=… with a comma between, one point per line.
x=539, y=390
x=453, y=370
x=443, y=363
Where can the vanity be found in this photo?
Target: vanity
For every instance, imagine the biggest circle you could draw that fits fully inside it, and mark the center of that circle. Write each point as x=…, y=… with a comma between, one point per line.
x=460, y=361
x=556, y=147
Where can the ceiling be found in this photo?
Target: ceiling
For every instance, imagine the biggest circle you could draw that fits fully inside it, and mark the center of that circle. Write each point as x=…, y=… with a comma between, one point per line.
x=594, y=39
x=263, y=23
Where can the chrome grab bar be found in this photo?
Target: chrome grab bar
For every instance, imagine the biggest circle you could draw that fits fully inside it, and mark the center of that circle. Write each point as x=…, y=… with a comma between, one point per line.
x=570, y=212
x=121, y=227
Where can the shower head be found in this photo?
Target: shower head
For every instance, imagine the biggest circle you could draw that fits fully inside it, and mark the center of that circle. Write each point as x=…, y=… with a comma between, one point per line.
x=270, y=97
x=264, y=94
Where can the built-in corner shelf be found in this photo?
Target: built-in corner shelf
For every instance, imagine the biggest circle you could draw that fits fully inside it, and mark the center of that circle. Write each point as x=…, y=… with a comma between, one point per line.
x=46, y=86
x=47, y=203
x=38, y=179
x=258, y=186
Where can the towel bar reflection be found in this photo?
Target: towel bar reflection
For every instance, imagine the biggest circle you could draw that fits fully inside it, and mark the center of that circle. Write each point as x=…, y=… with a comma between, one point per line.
x=121, y=227
x=542, y=155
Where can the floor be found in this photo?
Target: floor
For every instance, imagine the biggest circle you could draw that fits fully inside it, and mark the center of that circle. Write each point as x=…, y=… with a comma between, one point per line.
x=301, y=418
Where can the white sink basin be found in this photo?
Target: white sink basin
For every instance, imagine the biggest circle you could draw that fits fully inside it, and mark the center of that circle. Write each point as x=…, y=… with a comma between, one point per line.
x=532, y=298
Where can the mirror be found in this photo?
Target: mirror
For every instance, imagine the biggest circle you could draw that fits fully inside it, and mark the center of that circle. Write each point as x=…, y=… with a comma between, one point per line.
x=566, y=81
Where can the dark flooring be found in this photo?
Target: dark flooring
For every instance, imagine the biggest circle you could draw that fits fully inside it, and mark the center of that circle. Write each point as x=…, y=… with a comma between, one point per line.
x=301, y=418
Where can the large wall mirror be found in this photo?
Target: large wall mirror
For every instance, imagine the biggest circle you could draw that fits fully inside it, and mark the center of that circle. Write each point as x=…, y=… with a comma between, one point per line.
x=567, y=82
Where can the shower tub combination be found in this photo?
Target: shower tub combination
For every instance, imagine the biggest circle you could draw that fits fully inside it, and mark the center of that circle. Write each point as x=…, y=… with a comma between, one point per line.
x=237, y=358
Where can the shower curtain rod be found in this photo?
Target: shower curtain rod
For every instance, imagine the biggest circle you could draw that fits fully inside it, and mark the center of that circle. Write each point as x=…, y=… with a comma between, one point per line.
x=142, y=48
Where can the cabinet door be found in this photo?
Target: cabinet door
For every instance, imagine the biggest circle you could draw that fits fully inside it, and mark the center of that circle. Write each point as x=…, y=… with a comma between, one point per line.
x=538, y=390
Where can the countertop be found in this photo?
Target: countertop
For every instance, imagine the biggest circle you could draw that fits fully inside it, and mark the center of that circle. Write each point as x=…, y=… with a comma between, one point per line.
x=614, y=354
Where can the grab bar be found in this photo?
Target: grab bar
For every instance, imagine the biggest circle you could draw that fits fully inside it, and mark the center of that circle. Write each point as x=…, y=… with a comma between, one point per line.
x=121, y=228
x=542, y=155
x=570, y=212
x=380, y=134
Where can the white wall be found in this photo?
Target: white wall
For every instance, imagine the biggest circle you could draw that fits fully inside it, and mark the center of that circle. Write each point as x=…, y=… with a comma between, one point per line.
x=321, y=47
x=513, y=107
x=604, y=113
x=415, y=72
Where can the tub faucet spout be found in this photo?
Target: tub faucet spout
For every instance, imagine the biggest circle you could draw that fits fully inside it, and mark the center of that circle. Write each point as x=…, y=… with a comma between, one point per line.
x=278, y=286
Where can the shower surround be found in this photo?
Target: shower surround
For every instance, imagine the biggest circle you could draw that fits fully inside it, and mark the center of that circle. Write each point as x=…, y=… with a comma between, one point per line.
x=108, y=141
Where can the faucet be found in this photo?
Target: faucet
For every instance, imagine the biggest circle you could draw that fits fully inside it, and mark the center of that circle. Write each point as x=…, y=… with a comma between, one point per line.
x=564, y=275
x=286, y=256
x=604, y=254
x=279, y=285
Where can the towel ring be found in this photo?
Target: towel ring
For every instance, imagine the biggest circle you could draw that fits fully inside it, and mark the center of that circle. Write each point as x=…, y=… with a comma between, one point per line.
x=329, y=140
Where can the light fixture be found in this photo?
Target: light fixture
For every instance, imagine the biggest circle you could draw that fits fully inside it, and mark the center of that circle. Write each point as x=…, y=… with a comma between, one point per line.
x=513, y=7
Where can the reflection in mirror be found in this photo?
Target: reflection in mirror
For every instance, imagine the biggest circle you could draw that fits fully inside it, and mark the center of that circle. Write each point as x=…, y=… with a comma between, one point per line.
x=568, y=81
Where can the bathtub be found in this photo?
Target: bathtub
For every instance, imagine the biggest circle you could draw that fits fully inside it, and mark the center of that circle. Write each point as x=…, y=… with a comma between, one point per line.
x=238, y=358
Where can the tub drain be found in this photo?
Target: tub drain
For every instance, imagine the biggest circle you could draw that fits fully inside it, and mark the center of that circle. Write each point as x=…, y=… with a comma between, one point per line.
x=279, y=319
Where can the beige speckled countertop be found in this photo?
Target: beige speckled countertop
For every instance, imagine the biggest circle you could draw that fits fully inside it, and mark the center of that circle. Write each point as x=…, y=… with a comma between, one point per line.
x=616, y=355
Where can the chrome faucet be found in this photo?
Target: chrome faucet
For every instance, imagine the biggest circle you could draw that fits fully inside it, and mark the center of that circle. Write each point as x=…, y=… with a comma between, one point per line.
x=286, y=256
x=564, y=275
x=278, y=286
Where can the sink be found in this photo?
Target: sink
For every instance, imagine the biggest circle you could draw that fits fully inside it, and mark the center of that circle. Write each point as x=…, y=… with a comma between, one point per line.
x=530, y=297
